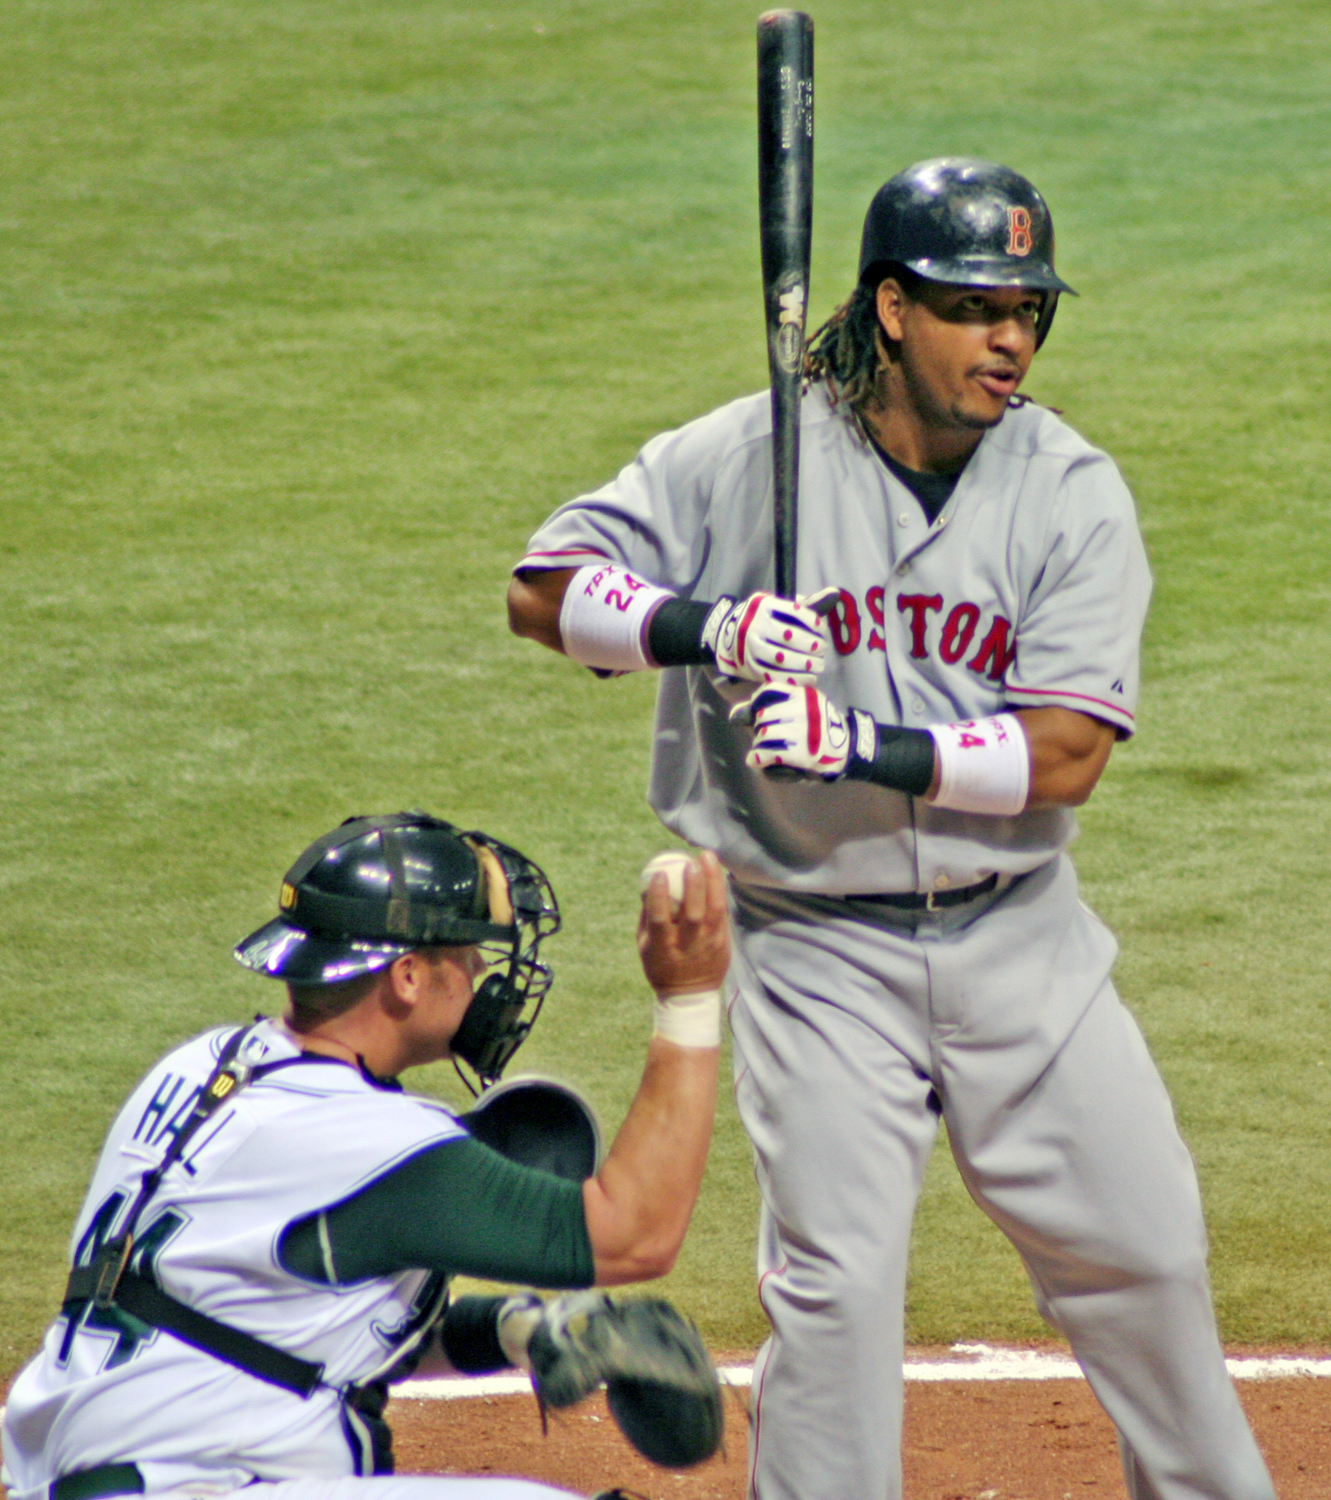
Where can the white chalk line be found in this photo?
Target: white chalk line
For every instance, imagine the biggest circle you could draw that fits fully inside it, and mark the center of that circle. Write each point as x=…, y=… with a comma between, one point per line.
x=971, y=1362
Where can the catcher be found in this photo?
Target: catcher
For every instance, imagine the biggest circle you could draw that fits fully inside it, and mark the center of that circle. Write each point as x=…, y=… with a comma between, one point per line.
x=271, y=1228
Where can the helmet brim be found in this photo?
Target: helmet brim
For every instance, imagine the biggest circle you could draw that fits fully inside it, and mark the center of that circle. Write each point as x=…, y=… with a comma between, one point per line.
x=976, y=270
x=285, y=952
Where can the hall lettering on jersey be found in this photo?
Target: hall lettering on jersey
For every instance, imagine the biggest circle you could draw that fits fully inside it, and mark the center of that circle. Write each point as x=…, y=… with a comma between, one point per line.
x=166, y=1112
x=956, y=632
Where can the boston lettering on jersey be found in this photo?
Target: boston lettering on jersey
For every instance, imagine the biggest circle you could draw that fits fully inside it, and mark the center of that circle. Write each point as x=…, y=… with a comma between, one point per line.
x=963, y=628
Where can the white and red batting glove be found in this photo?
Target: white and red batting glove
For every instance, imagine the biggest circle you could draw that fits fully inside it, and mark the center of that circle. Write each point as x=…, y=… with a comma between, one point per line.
x=765, y=638
x=799, y=728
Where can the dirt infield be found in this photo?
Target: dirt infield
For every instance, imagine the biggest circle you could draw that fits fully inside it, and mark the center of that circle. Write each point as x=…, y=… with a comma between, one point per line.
x=998, y=1440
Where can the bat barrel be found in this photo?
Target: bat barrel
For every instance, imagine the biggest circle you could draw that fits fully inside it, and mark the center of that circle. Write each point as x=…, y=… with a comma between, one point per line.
x=785, y=197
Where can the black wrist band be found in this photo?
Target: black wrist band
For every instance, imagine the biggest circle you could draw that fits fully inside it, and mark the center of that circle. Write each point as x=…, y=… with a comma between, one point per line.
x=902, y=760
x=469, y=1335
x=674, y=633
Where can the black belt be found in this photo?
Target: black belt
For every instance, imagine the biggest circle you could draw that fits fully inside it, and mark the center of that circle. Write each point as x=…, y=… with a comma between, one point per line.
x=93, y=1484
x=928, y=900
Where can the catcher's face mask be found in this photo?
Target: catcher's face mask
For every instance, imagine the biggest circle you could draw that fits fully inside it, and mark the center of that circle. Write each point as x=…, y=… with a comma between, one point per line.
x=376, y=888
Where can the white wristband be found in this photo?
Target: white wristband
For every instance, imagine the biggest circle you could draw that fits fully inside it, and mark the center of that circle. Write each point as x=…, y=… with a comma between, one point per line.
x=689, y=1020
x=983, y=767
x=603, y=620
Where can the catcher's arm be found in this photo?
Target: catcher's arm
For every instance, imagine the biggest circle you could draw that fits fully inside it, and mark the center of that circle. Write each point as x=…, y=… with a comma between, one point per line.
x=639, y=1204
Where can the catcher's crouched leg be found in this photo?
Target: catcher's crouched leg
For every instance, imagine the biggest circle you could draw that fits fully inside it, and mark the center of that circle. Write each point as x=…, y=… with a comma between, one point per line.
x=660, y=1384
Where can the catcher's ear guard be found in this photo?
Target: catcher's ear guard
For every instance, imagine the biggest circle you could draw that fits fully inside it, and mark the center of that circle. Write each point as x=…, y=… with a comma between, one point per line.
x=537, y=1122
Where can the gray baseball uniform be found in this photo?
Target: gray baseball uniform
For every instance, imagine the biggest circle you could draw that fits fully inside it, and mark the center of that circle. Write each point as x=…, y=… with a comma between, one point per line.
x=857, y=1023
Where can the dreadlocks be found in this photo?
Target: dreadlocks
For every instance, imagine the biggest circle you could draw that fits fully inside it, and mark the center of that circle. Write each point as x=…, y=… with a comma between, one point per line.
x=848, y=351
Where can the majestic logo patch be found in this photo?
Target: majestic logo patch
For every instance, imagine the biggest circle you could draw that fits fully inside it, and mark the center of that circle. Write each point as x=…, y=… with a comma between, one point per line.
x=1019, y=238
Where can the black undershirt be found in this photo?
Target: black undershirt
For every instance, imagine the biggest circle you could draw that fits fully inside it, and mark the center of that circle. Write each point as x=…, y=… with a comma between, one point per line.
x=933, y=491
x=674, y=631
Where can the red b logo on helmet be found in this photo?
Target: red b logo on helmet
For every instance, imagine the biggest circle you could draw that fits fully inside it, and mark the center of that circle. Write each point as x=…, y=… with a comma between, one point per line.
x=1019, y=241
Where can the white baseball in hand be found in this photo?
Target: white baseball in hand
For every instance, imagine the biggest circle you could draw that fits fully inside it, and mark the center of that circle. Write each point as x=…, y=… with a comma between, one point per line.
x=673, y=862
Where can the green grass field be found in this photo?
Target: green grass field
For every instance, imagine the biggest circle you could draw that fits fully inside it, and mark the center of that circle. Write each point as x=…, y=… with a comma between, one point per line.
x=312, y=311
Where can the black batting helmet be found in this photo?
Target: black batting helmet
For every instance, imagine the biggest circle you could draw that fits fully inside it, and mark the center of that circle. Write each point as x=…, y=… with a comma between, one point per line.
x=378, y=887
x=966, y=222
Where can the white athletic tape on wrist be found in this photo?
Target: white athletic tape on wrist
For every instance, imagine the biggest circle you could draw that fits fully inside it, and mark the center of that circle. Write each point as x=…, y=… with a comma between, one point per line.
x=603, y=620
x=689, y=1020
x=983, y=767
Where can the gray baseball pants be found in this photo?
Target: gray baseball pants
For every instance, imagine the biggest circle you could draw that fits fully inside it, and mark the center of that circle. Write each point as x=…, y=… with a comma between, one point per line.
x=852, y=1032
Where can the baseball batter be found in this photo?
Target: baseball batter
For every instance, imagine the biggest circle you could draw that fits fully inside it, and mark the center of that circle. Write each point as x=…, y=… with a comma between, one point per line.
x=272, y=1224
x=910, y=942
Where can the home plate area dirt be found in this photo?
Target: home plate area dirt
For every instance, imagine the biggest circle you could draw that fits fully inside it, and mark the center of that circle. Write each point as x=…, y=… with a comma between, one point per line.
x=965, y=1440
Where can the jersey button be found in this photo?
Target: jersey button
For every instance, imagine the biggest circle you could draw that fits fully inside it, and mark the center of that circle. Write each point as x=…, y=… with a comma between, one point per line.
x=917, y=705
x=903, y=570
x=941, y=882
x=903, y=519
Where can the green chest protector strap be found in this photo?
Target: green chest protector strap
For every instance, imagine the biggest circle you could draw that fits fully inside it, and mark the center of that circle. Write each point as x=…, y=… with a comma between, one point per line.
x=108, y=1282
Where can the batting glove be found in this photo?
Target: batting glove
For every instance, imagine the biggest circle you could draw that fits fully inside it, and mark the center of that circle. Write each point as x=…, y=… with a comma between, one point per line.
x=800, y=729
x=765, y=638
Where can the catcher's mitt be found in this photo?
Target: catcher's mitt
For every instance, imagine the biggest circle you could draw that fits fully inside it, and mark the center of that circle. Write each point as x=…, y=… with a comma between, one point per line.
x=660, y=1384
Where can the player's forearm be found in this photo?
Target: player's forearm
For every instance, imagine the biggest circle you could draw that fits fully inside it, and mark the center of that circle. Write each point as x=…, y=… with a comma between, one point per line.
x=673, y=633
x=998, y=767
x=534, y=601
x=1065, y=753
x=1068, y=752
x=638, y=1206
x=613, y=620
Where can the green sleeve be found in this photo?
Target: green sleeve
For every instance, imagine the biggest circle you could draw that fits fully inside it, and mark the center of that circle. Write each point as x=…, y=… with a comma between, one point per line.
x=459, y=1208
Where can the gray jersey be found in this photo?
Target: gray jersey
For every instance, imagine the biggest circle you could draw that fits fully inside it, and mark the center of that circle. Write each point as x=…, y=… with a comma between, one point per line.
x=1030, y=588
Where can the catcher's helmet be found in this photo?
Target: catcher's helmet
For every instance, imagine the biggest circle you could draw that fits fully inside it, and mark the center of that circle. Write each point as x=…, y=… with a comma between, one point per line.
x=966, y=222
x=378, y=887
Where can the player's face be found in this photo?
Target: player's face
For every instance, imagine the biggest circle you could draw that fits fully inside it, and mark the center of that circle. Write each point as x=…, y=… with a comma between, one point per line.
x=964, y=349
x=443, y=984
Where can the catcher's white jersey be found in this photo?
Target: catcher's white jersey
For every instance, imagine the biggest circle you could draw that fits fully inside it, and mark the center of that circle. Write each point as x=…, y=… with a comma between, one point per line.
x=291, y=1143
x=1030, y=588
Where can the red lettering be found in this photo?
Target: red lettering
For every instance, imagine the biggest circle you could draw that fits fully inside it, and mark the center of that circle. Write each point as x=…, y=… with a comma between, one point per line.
x=971, y=741
x=613, y=596
x=874, y=600
x=995, y=653
x=957, y=632
x=844, y=623
x=918, y=605
x=1020, y=240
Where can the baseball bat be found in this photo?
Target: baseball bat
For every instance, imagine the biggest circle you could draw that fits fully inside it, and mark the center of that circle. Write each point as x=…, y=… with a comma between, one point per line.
x=785, y=215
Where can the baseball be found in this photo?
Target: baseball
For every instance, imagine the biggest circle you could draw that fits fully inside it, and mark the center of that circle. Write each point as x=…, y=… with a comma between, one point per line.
x=674, y=862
